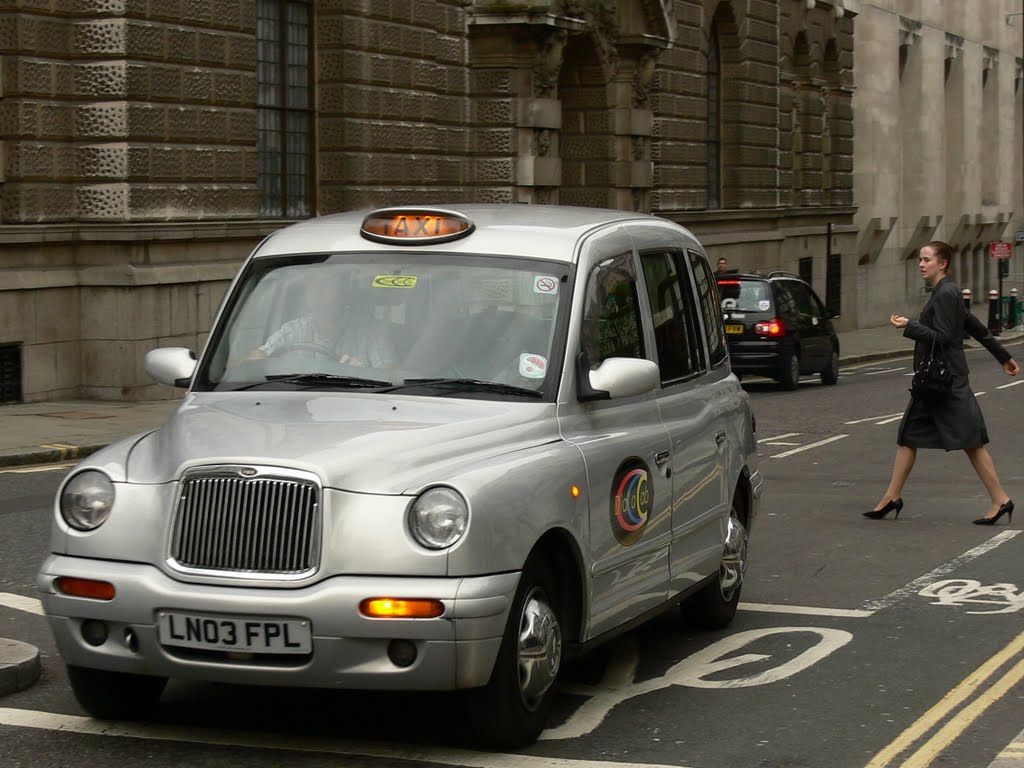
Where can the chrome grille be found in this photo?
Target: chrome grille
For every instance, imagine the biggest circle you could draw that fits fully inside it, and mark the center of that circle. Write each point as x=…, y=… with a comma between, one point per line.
x=257, y=525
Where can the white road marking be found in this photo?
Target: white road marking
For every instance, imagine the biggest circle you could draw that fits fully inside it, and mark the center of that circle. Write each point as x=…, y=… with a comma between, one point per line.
x=888, y=421
x=886, y=370
x=873, y=418
x=936, y=574
x=979, y=394
x=26, y=718
x=694, y=670
x=21, y=603
x=802, y=448
x=776, y=442
x=1011, y=384
x=778, y=437
x=845, y=613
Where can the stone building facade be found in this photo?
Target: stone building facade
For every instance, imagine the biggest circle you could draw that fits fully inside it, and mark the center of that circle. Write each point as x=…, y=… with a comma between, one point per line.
x=939, y=146
x=148, y=145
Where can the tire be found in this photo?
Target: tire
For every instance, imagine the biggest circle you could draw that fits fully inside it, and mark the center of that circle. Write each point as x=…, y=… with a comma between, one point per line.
x=830, y=373
x=115, y=695
x=512, y=709
x=714, y=606
x=789, y=377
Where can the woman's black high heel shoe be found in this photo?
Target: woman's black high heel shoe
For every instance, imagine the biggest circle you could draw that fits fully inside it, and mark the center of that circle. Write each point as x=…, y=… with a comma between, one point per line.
x=878, y=514
x=1006, y=509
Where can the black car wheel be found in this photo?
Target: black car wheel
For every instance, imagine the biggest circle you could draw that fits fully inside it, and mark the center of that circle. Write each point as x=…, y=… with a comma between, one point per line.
x=830, y=373
x=790, y=375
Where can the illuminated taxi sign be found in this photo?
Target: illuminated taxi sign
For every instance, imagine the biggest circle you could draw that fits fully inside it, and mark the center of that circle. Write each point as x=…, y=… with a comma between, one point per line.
x=415, y=226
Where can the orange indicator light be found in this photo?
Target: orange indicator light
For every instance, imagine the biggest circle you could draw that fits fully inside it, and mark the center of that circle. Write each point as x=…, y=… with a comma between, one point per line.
x=95, y=590
x=575, y=491
x=401, y=608
x=415, y=225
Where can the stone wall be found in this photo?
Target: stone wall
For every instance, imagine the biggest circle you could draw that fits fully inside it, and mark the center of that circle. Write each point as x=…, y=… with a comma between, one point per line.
x=129, y=194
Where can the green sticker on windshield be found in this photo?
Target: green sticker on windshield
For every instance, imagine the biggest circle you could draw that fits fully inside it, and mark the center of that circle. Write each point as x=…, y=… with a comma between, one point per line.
x=394, y=281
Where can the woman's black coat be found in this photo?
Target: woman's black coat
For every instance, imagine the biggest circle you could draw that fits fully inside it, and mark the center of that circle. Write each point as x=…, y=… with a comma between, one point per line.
x=954, y=422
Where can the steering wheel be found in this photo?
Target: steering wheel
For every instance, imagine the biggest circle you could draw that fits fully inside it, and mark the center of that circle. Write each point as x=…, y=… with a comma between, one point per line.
x=304, y=346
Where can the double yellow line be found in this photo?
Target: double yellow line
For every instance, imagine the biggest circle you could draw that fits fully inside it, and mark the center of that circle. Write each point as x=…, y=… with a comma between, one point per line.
x=956, y=724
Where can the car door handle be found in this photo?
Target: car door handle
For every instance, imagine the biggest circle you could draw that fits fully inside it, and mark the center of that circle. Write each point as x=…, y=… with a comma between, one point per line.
x=720, y=437
x=661, y=458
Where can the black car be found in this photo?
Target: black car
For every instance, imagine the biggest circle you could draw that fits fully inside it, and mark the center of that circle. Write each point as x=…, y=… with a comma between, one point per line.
x=777, y=326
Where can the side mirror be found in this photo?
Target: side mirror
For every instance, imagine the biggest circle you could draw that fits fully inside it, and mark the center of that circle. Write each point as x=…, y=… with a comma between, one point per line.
x=171, y=365
x=620, y=377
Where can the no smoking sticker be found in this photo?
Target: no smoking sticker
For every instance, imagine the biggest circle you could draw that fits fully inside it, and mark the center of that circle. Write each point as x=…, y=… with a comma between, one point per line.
x=532, y=366
x=545, y=284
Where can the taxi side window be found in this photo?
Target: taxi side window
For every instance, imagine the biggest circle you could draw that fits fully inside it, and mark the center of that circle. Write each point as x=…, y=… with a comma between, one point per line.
x=611, y=319
x=675, y=322
x=711, y=308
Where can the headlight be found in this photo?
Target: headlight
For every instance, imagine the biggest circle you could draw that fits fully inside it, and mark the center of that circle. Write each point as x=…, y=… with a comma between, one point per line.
x=438, y=518
x=86, y=500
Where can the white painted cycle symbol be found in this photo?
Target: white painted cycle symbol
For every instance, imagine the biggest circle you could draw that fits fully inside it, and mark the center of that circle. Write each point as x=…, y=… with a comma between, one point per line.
x=962, y=592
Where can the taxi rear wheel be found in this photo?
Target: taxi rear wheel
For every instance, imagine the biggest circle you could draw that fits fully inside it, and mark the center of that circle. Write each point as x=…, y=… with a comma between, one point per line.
x=830, y=374
x=714, y=606
x=512, y=709
x=115, y=695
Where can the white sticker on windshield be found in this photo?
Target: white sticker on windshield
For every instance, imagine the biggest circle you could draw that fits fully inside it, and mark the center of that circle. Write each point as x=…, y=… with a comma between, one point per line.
x=764, y=306
x=532, y=366
x=545, y=284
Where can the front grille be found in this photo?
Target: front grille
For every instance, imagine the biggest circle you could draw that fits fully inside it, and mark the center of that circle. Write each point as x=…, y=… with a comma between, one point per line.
x=261, y=525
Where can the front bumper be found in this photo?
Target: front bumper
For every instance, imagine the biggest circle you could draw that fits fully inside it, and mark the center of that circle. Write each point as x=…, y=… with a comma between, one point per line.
x=456, y=650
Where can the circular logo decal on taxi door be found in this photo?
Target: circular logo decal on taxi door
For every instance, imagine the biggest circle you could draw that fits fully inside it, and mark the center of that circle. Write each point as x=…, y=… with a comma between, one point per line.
x=632, y=500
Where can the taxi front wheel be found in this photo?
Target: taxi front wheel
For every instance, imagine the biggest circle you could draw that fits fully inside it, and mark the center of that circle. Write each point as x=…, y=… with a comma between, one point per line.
x=115, y=695
x=512, y=709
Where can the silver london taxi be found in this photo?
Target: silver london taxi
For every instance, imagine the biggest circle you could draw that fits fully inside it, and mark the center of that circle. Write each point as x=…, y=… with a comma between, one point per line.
x=424, y=449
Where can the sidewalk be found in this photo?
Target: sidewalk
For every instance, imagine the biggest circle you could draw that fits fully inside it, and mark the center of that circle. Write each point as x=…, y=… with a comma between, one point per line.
x=46, y=432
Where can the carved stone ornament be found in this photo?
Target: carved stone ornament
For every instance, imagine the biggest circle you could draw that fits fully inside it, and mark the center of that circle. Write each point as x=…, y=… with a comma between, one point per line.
x=954, y=46
x=910, y=31
x=644, y=77
x=547, y=64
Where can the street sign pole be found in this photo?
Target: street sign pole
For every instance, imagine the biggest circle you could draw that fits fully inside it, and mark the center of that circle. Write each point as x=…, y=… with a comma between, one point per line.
x=1000, y=252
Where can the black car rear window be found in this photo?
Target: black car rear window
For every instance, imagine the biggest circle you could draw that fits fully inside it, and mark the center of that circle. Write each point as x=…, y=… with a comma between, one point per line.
x=746, y=295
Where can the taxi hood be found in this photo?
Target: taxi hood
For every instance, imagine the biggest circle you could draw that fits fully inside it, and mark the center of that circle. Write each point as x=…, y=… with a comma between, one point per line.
x=365, y=443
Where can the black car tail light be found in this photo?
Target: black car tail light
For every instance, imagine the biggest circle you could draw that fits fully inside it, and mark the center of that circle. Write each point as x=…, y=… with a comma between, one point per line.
x=773, y=327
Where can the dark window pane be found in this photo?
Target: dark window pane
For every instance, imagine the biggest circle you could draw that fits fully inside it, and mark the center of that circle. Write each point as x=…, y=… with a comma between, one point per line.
x=711, y=308
x=611, y=320
x=285, y=124
x=669, y=293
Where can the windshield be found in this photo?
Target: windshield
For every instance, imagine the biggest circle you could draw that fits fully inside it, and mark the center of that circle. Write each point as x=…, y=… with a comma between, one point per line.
x=745, y=295
x=360, y=321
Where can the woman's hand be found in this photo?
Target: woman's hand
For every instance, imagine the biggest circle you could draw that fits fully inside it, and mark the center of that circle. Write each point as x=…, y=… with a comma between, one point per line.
x=1011, y=367
x=898, y=321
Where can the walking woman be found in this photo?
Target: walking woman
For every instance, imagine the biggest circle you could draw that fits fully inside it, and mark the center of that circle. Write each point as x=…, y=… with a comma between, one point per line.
x=953, y=422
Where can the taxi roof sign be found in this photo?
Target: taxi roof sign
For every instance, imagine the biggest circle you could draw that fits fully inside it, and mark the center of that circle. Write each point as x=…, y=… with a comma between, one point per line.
x=415, y=226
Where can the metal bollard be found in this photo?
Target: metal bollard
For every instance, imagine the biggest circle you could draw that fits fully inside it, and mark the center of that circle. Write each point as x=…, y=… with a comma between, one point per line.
x=1014, y=319
x=994, y=323
x=966, y=293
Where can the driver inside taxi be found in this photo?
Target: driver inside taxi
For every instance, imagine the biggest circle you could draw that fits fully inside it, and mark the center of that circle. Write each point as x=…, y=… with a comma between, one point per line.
x=350, y=336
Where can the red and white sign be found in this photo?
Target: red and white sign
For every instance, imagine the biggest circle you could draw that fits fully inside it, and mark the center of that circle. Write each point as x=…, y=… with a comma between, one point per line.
x=1000, y=250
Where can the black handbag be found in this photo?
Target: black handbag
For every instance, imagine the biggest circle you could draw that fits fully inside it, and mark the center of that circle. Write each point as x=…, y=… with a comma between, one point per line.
x=932, y=380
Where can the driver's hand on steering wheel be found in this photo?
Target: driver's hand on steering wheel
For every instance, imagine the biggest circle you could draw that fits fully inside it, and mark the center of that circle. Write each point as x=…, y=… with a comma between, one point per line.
x=348, y=359
x=256, y=354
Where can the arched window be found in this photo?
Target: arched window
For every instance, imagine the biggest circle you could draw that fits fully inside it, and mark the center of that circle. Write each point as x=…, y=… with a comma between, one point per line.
x=714, y=123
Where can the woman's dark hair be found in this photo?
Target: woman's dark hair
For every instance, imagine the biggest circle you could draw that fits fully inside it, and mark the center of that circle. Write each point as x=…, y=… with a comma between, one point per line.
x=941, y=251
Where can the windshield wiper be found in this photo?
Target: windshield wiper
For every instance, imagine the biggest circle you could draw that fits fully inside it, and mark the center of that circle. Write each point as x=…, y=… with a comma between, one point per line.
x=318, y=379
x=468, y=385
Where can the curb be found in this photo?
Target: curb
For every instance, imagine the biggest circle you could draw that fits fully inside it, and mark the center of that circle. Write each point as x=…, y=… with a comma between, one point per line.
x=19, y=666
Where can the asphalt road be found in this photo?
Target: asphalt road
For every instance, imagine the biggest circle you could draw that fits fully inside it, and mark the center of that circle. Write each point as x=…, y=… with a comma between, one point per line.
x=860, y=643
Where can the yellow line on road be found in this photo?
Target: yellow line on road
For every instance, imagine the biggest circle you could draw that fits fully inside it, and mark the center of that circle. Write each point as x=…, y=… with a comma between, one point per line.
x=950, y=702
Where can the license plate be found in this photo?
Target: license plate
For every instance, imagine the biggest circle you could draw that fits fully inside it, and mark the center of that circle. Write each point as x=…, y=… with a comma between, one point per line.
x=247, y=634
x=734, y=329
